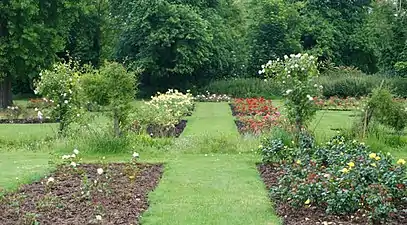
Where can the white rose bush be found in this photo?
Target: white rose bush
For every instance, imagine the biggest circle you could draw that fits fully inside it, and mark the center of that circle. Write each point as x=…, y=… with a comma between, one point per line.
x=61, y=85
x=296, y=73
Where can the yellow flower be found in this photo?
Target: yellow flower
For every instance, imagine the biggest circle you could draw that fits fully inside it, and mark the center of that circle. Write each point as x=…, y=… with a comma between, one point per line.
x=345, y=170
x=377, y=158
x=298, y=161
x=307, y=202
x=401, y=162
x=372, y=155
x=351, y=164
x=373, y=164
x=260, y=146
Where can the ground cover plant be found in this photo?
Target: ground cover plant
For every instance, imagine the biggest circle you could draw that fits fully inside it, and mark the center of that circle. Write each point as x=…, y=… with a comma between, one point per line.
x=76, y=193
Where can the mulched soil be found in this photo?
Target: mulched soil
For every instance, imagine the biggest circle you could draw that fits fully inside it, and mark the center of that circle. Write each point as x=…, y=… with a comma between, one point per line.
x=313, y=215
x=175, y=131
x=63, y=201
x=26, y=121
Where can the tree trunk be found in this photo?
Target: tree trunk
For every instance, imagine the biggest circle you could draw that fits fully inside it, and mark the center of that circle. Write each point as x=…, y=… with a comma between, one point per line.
x=5, y=92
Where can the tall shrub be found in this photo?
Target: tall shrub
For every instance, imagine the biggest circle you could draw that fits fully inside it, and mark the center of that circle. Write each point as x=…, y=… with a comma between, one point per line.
x=114, y=87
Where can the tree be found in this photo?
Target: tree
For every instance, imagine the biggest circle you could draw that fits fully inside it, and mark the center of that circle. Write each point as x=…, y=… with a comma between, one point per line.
x=31, y=33
x=90, y=35
x=178, y=42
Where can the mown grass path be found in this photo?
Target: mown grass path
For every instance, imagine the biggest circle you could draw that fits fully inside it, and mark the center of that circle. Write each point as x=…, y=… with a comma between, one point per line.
x=210, y=188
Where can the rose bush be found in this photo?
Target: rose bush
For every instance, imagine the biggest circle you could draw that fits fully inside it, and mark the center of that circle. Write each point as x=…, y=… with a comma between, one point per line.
x=61, y=85
x=297, y=74
x=342, y=177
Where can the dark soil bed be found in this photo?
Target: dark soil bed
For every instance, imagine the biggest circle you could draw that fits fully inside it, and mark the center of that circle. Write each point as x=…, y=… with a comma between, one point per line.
x=313, y=215
x=26, y=121
x=64, y=201
x=176, y=131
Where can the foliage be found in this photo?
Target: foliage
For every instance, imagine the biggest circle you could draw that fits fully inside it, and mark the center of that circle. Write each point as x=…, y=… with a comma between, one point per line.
x=401, y=68
x=208, y=97
x=275, y=150
x=384, y=109
x=186, y=41
x=297, y=74
x=245, y=88
x=31, y=33
x=274, y=30
x=115, y=87
x=61, y=85
x=342, y=177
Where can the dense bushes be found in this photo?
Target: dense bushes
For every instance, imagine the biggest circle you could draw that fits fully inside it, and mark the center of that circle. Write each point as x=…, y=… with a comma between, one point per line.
x=350, y=82
x=244, y=88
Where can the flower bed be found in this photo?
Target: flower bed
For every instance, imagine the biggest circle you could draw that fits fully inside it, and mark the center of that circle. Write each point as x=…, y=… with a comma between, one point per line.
x=254, y=115
x=252, y=107
x=208, y=97
x=86, y=194
x=157, y=131
x=256, y=124
x=27, y=121
x=340, y=104
x=341, y=182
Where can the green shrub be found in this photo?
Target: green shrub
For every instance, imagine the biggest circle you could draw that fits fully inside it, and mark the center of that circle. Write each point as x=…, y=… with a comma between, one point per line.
x=244, y=88
x=350, y=82
x=347, y=82
x=343, y=177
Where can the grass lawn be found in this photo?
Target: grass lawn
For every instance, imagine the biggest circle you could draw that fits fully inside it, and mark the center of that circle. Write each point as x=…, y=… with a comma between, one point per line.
x=210, y=175
x=21, y=167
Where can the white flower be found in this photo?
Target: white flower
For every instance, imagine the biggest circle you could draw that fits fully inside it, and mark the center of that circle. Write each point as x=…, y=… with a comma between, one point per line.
x=76, y=151
x=73, y=156
x=135, y=155
x=315, y=85
x=100, y=171
x=78, y=115
x=36, y=109
x=288, y=91
x=298, y=55
x=66, y=101
x=98, y=217
x=310, y=97
x=285, y=57
x=73, y=164
x=51, y=179
x=64, y=95
x=66, y=156
x=39, y=115
x=321, y=87
x=260, y=71
x=296, y=66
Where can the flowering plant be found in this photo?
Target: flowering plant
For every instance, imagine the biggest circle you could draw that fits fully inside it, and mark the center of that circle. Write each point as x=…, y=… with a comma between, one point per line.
x=297, y=74
x=344, y=177
x=60, y=85
x=208, y=97
x=258, y=124
x=336, y=103
x=165, y=110
x=253, y=106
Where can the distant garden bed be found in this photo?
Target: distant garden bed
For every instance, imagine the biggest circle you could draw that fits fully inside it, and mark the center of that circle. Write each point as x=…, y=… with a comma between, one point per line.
x=26, y=121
